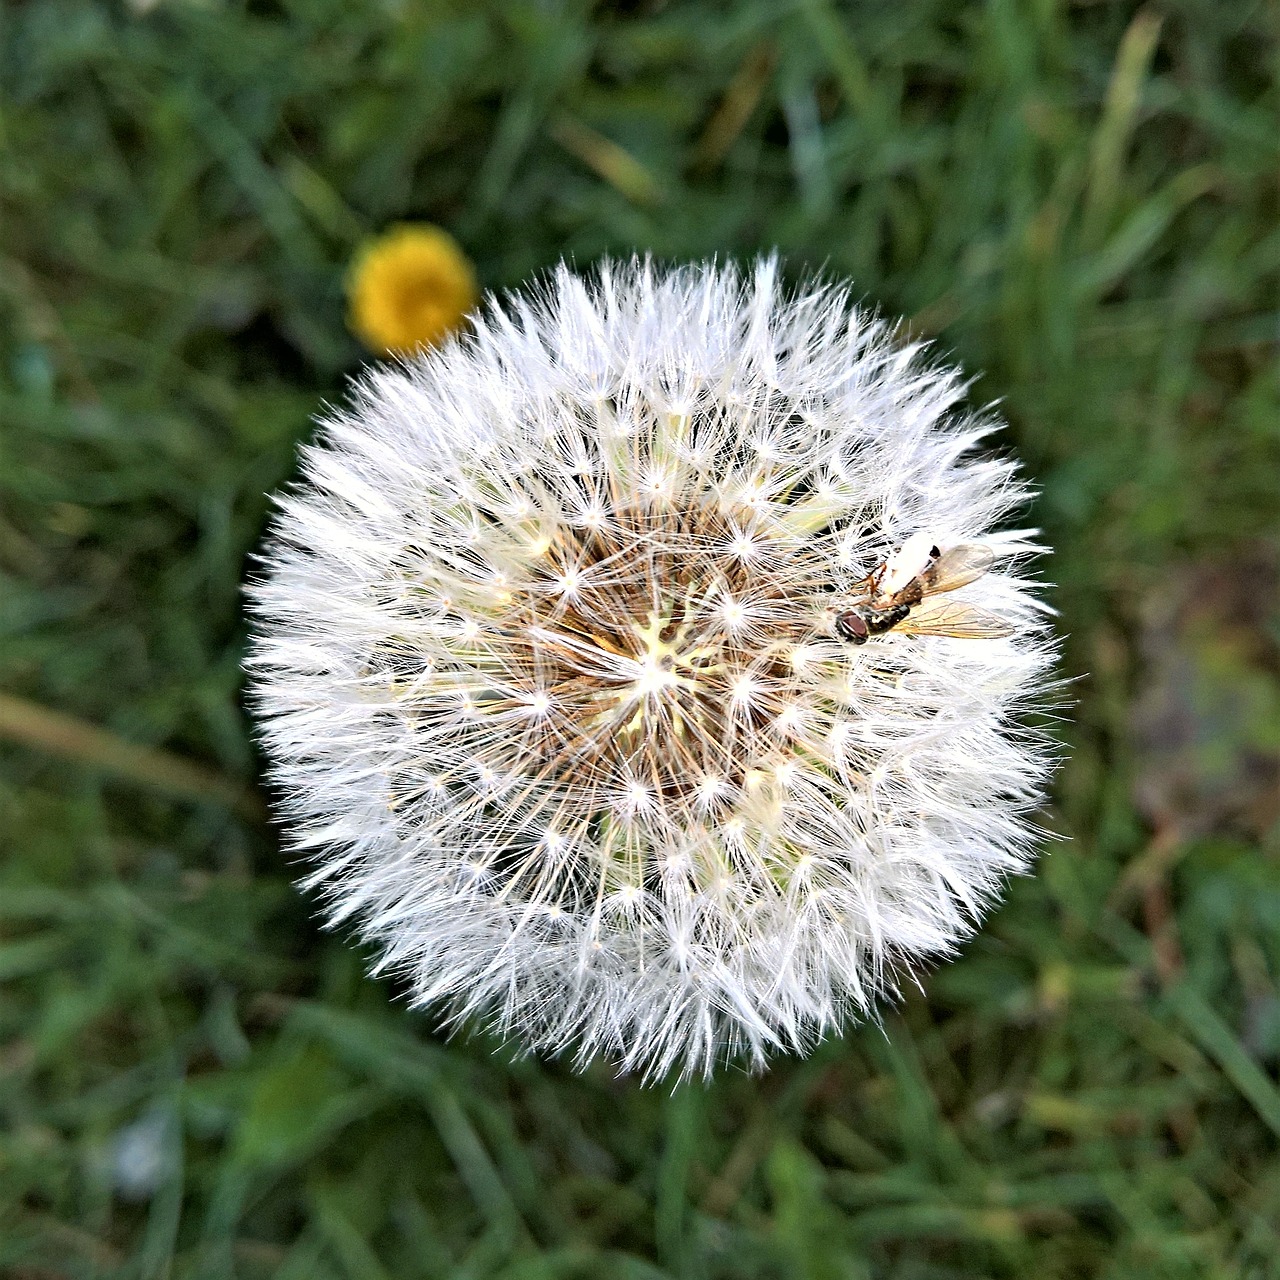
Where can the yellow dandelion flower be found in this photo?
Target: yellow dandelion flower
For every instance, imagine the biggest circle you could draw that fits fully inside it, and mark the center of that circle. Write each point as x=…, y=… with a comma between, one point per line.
x=409, y=289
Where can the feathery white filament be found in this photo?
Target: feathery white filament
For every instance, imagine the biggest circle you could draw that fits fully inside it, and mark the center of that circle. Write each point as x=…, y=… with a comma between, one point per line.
x=547, y=671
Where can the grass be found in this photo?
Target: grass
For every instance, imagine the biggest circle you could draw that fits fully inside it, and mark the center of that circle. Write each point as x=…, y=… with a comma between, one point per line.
x=1078, y=200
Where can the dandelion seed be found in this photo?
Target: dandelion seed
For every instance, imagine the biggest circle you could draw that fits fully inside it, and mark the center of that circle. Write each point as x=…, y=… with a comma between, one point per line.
x=410, y=289
x=548, y=669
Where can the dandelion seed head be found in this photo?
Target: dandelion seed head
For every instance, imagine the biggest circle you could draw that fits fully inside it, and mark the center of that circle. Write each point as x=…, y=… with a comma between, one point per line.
x=547, y=671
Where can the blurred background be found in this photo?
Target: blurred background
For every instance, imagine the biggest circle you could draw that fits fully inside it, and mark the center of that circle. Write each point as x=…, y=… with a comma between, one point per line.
x=1076, y=200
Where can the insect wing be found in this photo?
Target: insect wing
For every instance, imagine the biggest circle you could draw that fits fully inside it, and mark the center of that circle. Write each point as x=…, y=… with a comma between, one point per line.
x=957, y=567
x=952, y=618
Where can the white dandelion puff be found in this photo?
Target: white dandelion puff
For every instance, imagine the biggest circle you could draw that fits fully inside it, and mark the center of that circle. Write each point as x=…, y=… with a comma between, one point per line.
x=578, y=692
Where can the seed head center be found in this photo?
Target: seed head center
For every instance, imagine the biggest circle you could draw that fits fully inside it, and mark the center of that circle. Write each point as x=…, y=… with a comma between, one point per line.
x=659, y=661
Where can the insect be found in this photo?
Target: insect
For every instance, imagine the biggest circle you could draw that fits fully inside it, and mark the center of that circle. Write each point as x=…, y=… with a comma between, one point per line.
x=896, y=596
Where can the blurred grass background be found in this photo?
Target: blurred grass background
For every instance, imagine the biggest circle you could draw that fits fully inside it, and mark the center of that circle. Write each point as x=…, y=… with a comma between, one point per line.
x=1079, y=200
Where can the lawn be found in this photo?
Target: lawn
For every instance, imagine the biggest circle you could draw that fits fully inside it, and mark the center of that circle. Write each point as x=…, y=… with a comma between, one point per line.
x=1076, y=201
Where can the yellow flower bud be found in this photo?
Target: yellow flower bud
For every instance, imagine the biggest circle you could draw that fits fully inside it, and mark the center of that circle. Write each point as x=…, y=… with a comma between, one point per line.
x=409, y=289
